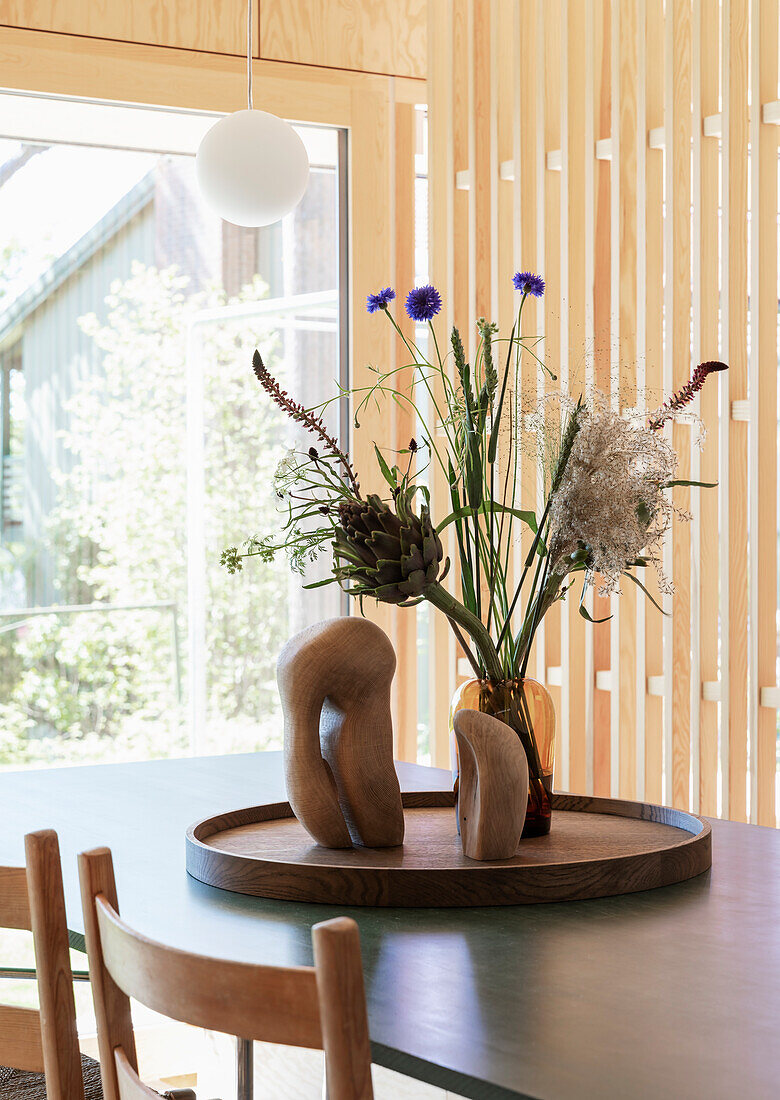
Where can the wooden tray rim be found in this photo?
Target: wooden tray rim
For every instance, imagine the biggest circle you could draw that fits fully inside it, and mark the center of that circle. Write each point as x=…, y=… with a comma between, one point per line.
x=698, y=840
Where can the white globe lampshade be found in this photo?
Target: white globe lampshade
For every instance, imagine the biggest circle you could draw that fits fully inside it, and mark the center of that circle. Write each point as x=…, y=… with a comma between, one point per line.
x=252, y=168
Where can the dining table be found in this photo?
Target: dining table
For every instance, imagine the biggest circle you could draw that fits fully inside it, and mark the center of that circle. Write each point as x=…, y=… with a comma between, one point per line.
x=672, y=992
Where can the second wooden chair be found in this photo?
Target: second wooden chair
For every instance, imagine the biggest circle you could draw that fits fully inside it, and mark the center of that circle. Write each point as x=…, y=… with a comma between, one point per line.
x=32, y=1042
x=321, y=1007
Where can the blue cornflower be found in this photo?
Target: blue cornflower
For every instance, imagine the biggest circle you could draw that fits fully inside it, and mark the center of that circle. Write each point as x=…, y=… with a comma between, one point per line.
x=423, y=302
x=380, y=300
x=529, y=283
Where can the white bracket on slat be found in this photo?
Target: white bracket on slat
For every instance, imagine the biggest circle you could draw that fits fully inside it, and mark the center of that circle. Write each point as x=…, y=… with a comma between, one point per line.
x=463, y=180
x=770, y=697
x=506, y=170
x=740, y=410
x=554, y=160
x=554, y=675
x=655, y=685
x=464, y=668
x=710, y=691
x=656, y=138
x=604, y=680
x=770, y=113
x=713, y=125
x=604, y=149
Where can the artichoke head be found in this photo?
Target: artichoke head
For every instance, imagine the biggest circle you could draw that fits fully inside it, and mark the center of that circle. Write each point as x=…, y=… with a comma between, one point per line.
x=390, y=555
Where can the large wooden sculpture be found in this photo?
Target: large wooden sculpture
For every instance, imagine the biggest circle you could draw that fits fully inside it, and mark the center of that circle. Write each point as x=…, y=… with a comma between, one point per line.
x=334, y=680
x=493, y=790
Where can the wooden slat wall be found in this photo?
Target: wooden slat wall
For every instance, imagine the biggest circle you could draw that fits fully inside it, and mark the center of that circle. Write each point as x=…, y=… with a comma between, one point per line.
x=645, y=192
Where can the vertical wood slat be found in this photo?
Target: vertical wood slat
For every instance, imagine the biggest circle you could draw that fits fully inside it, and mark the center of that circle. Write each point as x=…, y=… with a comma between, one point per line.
x=573, y=213
x=588, y=382
x=503, y=44
x=706, y=320
x=551, y=90
x=602, y=261
x=654, y=256
x=462, y=91
x=504, y=228
x=763, y=411
x=464, y=269
x=482, y=122
x=640, y=677
x=697, y=129
x=372, y=132
x=734, y=451
x=405, y=683
x=613, y=389
x=441, y=227
x=536, y=44
x=677, y=263
x=525, y=196
x=624, y=205
x=541, y=254
x=482, y=117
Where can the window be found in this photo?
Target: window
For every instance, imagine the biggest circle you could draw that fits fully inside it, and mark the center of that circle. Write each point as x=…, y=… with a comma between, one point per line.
x=136, y=443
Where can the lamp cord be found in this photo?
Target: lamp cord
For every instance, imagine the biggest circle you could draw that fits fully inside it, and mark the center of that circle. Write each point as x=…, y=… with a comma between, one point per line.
x=249, y=53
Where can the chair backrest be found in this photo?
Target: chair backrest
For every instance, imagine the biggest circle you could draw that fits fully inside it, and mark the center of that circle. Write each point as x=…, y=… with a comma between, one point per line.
x=32, y=898
x=323, y=1006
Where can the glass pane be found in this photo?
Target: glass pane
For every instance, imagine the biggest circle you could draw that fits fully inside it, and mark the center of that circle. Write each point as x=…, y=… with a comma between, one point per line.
x=137, y=445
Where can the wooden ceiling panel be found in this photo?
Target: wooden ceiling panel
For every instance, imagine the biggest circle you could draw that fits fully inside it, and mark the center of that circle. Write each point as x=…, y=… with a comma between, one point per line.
x=379, y=36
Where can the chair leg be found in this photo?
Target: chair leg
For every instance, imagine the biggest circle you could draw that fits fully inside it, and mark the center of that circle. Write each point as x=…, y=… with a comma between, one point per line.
x=245, y=1086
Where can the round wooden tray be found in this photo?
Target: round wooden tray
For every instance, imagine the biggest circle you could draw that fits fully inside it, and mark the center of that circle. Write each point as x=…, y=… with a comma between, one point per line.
x=597, y=847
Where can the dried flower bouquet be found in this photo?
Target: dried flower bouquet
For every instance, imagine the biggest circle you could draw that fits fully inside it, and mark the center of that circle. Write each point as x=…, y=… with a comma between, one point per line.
x=606, y=475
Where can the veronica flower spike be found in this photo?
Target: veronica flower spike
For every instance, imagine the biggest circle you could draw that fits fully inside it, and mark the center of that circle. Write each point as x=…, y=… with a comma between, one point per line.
x=528, y=283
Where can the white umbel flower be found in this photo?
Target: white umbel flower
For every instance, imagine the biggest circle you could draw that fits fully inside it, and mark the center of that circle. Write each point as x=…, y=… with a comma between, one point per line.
x=611, y=500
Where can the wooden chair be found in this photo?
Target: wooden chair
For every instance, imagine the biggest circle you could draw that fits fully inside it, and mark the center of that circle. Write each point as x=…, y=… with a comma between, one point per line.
x=42, y=1046
x=322, y=1006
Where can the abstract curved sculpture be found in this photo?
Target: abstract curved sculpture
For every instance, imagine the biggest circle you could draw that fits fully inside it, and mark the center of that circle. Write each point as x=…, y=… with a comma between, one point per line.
x=493, y=789
x=334, y=680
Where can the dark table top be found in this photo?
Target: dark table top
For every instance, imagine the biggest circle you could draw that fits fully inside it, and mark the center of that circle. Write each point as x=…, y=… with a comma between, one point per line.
x=668, y=993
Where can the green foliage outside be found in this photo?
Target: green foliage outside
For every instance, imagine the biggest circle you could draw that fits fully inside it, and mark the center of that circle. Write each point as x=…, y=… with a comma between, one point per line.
x=87, y=687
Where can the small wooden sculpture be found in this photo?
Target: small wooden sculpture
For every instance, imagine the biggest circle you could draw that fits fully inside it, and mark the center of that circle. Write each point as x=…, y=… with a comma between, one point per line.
x=334, y=680
x=493, y=791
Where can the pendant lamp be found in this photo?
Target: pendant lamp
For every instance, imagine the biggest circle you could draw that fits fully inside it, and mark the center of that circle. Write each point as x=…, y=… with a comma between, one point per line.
x=251, y=166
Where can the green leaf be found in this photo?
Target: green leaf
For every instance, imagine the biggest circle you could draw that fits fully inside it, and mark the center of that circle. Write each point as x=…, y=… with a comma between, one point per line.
x=467, y=513
x=473, y=478
x=493, y=444
x=584, y=611
x=386, y=474
x=639, y=584
x=695, y=484
x=526, y=516
x=319, y=584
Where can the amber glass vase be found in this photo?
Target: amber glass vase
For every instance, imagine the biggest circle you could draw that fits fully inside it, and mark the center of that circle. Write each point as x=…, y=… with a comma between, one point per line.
x=526, y=706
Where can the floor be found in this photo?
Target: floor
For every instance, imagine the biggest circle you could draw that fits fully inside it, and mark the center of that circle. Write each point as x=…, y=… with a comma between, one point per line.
x=172, y=1055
